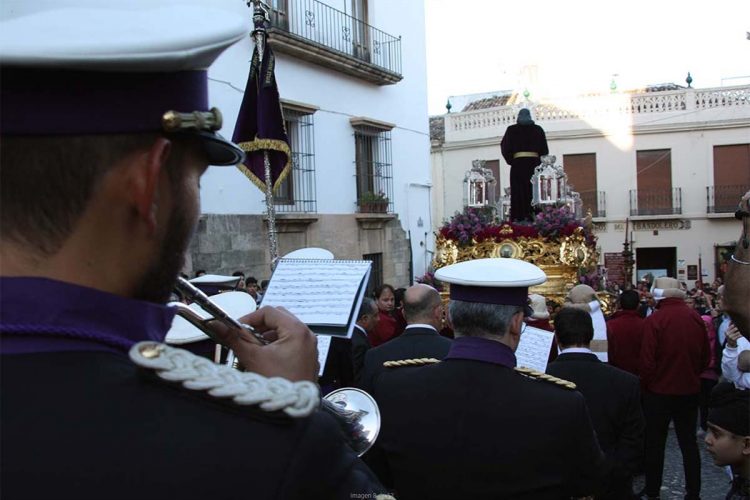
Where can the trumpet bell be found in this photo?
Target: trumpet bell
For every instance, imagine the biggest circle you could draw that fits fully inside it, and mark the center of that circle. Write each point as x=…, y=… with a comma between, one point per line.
x=358, y=414
x=236, y=305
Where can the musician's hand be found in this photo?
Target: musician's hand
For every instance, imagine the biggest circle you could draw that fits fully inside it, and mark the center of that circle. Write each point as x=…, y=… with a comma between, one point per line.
x=293, y=354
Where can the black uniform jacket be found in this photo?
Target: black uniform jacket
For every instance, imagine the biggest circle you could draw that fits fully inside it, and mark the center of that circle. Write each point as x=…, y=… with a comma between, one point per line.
x=613, y=397
x=360, y=348
x=471, y=429
x=415, y=342
x=91, y=425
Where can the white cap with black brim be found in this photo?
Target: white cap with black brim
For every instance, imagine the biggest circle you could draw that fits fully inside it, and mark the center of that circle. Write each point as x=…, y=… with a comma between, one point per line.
x=499, y=281
x=84, y=67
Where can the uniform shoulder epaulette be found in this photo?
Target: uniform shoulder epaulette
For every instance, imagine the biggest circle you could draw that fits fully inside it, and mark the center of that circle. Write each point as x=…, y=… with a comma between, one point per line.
x=537, y=375
x=295, y=399
x=410, y=362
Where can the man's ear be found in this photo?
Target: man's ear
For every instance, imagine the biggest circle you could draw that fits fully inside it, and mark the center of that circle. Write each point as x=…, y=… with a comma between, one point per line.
x=144, y=181
x=746, y=445
x=516, y=323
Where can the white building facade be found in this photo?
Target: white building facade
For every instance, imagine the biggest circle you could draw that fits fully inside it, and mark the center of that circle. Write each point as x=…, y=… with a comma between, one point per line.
x=352, y=79
x=670, y=165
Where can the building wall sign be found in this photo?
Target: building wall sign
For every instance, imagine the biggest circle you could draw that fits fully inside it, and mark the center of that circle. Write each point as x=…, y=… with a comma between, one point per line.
x=659, y=225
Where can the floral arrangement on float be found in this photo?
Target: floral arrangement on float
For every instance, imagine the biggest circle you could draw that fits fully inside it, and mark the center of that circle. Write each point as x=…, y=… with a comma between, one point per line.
x=477, y=225
x=563, y=245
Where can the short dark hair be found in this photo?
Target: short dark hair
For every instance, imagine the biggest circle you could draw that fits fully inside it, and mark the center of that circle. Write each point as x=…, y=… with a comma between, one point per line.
x=629, y=300
x=47, y=182
x=398, y=296
x=199, y=272
x=238, y=273
x=368, y=308
x=264, y=284
x=573, y=326
x=251, y=280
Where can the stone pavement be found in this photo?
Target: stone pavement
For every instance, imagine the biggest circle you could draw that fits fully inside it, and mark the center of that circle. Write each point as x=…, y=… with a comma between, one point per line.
x=714, y=484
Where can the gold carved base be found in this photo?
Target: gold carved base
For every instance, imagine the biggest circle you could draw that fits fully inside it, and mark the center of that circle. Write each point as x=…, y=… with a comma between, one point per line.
x=559, y=258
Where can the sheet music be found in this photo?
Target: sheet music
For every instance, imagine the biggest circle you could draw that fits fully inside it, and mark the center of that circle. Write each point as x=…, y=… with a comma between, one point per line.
x=318, y=292
x=533, y=349
x=324, y=345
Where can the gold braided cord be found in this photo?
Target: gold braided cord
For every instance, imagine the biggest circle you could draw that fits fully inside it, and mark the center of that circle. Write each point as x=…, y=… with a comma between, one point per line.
x=266, y=145
x=410, y=362
x=537, y=375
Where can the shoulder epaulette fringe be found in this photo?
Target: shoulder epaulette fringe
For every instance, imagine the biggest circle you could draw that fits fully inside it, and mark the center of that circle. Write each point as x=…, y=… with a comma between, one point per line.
x=296, y=399
x=410, y=362
x=531, y=373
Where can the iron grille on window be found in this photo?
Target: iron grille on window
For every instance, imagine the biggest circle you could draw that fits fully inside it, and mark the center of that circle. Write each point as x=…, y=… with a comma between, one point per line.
x=297, y=192
x=376, y=272
x=373, y=169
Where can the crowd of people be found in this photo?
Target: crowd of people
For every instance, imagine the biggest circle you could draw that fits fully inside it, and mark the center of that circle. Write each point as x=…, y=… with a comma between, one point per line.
x=104, y=141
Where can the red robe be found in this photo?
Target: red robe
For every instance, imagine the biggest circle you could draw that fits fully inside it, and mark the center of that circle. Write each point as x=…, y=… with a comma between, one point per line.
x=389, y=326
x=624, y=338
x=675, y=349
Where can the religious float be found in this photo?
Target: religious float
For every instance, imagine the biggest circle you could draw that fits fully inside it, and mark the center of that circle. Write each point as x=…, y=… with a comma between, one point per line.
x=559, y=240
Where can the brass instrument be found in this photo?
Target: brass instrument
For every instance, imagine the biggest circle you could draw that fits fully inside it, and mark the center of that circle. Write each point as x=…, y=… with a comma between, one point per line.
x=354, y=410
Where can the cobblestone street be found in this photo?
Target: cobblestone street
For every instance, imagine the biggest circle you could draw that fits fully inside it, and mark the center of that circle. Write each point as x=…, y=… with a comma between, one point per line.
x=715, y=481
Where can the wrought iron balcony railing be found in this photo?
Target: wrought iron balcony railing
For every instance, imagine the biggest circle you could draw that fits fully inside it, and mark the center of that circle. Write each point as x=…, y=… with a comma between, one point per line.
x=321, y=24
x=724, y=199
x=596, y=201
x=656, y=201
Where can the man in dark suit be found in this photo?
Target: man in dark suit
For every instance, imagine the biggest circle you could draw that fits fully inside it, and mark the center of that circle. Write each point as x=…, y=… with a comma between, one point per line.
x=625, y=334
x=471, y=426
x=106, y=132
x=346, y=356
x=612, y=395
x=423, y=309
x=366, y=323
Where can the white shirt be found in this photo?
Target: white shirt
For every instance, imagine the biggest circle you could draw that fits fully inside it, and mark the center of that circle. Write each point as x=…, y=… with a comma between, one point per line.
x=571, y=350
x=420, y=325
x=729, y=360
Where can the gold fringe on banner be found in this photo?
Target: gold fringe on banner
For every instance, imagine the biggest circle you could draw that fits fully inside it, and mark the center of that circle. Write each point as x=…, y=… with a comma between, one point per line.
x=266, y=145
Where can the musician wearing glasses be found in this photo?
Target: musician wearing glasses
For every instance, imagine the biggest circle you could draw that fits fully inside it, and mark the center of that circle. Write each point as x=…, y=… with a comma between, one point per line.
x=471, y=425
x=106, y=131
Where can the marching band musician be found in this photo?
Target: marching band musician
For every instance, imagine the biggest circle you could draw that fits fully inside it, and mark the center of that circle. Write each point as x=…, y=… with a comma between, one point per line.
x=486, y=430
x=99, y=199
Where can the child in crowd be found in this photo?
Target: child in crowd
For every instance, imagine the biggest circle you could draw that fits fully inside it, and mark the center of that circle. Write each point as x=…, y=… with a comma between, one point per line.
x=728, y=437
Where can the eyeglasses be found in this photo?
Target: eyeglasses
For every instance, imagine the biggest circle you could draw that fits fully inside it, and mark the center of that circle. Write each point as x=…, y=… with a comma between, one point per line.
x=523, y=326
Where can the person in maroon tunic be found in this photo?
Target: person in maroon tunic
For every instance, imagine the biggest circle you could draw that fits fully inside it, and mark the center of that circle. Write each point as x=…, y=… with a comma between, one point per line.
x=674, y=352
x=389, y=325
x=625, y=334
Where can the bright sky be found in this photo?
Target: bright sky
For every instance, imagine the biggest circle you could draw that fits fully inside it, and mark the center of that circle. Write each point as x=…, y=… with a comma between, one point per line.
x=577, y=46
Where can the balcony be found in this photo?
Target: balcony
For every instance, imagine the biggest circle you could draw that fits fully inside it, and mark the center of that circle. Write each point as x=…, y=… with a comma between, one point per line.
x=678, y=108
x=596, y=201
x=656, y=201
x=724, y=199
x=317, y=33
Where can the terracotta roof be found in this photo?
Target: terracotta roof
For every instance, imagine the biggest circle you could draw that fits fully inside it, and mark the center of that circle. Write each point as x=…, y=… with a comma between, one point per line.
x=488, y=102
